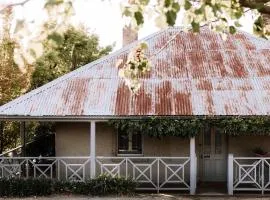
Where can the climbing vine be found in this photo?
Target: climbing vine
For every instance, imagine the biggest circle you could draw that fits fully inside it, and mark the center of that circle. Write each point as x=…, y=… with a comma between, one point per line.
x=183, y=127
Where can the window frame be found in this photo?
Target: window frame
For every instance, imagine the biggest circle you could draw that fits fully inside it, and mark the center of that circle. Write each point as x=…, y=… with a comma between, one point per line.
x=129, y=154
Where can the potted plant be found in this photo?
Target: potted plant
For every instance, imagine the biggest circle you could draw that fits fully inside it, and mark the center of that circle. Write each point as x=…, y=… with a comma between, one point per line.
x=259, y=152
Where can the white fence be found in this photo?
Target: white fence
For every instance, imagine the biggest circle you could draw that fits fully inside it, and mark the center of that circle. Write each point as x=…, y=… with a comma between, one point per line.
x=248, y=174
x=152, y=173
x=64, y=168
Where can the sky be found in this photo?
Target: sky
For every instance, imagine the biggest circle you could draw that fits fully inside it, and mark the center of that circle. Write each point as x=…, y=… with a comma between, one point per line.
x=102, y=17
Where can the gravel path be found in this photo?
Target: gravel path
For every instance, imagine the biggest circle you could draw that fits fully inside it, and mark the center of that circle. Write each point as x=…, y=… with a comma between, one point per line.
x=141, y=197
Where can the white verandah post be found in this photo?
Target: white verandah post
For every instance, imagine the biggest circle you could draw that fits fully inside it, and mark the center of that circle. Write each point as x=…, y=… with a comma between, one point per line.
x=93, y=149
x=230, y=174
x=193, y=166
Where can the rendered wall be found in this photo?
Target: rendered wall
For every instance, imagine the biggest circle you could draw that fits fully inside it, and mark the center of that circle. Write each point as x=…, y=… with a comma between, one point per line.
x=167, y=146
x=243, y=145
x=72, y=139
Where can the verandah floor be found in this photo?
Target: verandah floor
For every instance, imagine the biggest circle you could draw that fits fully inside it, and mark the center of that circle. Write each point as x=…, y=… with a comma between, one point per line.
x=211, y=188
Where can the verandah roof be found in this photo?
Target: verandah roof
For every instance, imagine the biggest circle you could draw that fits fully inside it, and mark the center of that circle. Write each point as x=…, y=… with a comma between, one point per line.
x=191, y=75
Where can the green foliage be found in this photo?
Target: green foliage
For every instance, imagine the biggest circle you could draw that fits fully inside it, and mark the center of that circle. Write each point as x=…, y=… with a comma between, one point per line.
x=25, y=187
x=12, y=80
x=160, y=127
x=187, y=5
x=105, y=185
x=100, y=186
x=9, y=135
x=12, y=83
x=258, y=27
x=139, y=18
x=196, y=14
x=64, y=53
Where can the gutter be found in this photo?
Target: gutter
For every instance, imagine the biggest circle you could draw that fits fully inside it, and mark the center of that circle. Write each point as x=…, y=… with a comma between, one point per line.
x=105, y=118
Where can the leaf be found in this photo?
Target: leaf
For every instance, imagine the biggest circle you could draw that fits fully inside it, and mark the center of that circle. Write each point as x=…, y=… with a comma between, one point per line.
x=237, y=24
x=171, y=17
x=195, y=27
x=224, y=19
x=176, y=7
x=126, y=12
x=258, y=27
x=167, y=3
x=232, y=29
x=56, y=37
x=238, y=14
x=139, y=18
x=199, y=11
x=187, y=5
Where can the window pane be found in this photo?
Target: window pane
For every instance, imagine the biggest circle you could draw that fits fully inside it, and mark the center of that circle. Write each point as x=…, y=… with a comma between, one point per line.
x=207, y=140
x=129, y=143
x=122, y=142
x=207, y=137
x=136, y=142
x=218, y=142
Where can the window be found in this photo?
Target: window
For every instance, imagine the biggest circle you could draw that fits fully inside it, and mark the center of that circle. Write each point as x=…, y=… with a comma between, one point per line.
x=129, y=143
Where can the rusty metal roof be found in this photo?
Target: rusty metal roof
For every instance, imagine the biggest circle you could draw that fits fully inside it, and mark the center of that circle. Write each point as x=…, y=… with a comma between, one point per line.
x=191, y=75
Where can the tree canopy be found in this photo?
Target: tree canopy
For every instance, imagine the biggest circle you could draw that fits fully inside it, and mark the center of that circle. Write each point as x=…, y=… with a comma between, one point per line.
x=12, y=82
x=66, y=52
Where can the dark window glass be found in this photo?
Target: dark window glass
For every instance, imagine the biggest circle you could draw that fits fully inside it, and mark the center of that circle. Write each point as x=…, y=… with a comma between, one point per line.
x=129, y=143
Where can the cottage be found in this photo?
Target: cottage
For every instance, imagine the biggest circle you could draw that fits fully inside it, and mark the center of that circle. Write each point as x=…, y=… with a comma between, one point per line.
x=192, y=76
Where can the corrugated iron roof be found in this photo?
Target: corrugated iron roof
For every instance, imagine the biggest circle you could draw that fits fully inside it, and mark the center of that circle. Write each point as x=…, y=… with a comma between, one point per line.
x=192, y=75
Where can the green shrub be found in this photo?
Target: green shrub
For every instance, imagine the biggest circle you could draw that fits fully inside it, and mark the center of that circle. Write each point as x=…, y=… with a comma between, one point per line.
x=102, y=185
x=15, y=187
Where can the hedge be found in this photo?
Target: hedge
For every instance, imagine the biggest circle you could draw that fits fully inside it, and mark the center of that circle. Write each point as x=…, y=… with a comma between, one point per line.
x=100, y=186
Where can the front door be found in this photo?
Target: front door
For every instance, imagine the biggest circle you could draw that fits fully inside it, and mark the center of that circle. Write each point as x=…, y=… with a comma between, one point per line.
x=214, y=159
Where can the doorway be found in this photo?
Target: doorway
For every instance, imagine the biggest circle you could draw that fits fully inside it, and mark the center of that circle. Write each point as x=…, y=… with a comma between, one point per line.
x=213, y=155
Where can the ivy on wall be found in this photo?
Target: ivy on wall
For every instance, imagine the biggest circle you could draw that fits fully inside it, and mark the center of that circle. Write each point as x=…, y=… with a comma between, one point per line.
x=183, y=127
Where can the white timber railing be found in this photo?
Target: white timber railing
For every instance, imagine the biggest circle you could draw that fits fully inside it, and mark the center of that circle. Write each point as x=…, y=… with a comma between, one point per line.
x=61, y=168
x=152, y=173
x=248, y=174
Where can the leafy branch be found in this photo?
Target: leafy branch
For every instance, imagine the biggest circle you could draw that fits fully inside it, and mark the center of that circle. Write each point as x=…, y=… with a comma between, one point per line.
x=189, y=127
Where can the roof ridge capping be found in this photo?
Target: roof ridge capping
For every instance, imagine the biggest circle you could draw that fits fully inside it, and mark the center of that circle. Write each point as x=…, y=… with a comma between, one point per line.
x=75, y=72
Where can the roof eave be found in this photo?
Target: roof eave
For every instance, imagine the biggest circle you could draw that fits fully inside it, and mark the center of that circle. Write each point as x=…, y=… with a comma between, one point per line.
x=111, y=117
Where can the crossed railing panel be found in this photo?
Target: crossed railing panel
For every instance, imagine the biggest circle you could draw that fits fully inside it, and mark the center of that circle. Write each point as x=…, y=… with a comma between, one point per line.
x=64, y=168
x=251, y=174
x=152, y=173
